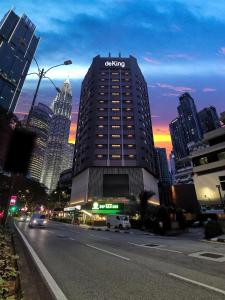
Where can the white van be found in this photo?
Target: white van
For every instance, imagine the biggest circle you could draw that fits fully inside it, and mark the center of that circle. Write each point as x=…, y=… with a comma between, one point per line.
x=118, y=221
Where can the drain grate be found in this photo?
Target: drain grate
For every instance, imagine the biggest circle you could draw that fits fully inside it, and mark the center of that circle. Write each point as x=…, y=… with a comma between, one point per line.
x=152, y=245
x=212, y=255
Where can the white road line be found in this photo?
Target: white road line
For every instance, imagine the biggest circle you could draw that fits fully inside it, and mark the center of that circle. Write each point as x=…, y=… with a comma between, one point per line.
x=156, y=248
x=72, y=239
x=103, y=250
x=198, y=283
x=55, y=289
x=100, y=237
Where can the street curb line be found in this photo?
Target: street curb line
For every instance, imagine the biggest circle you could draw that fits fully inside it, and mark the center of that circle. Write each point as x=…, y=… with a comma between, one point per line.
x=55, y=289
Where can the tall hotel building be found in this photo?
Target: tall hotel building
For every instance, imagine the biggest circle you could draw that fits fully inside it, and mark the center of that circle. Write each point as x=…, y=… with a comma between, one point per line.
x=18, y=44
x=114, y=151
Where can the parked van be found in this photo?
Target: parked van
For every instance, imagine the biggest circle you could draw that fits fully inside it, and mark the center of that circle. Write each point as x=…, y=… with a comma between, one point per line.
x=118, y=221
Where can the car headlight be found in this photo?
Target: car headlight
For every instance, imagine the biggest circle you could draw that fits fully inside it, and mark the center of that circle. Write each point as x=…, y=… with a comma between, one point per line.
x=34, y=221
x=45, y=222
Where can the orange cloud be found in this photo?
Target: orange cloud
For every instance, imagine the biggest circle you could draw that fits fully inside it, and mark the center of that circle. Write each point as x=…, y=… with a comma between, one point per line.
x=72, y=136
x=162, y=138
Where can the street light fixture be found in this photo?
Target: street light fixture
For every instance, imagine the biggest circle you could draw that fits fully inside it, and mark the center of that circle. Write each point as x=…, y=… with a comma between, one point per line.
x=221, y=199
x=42, y=74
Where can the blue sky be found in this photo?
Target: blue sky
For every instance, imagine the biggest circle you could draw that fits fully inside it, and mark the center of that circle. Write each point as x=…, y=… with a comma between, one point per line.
x=179, y=44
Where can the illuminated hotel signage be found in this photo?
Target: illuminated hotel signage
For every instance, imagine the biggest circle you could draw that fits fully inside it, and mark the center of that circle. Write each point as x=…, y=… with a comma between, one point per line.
x=107, y=208
x=115, y=63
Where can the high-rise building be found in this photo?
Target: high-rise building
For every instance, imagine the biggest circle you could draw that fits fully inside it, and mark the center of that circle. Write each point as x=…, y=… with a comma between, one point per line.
x=39, y=122
x=18, y=44
x=163, y=168
x=209, y=119
x=114, y=150
x=178, y=138
x=68, y=156
x=58, y=137
x=189, y=119
x=185, y=132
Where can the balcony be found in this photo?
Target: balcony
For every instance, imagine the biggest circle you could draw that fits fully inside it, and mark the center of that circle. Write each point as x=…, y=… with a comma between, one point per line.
x=210, y=166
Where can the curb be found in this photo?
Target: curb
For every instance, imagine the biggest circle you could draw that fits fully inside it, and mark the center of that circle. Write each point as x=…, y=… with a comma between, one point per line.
x=220, y=240
x=107, y=229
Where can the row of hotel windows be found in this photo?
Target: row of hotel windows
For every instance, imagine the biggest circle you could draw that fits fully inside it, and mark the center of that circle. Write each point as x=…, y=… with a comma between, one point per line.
x=115, y=86
x=115, y=93
x=115, y=136
x=123, y=79
x=102, y=146
x=114, y=101
x=116, y=126
x=114, y=109
x=115, y=118
x=115, y=156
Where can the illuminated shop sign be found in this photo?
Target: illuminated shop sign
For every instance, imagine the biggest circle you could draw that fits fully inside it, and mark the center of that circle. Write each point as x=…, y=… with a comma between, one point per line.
x=115, y=63
x=97, y=205
x=107, y=208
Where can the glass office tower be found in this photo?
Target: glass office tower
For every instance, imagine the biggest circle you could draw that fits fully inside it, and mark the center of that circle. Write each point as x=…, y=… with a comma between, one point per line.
x=18, y=44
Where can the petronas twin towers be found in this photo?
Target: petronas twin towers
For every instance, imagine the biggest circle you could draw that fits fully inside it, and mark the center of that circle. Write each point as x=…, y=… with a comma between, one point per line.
x=57, y=146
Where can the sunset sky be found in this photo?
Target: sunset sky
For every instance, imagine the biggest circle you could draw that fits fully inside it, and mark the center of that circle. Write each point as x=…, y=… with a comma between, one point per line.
x=179, y=45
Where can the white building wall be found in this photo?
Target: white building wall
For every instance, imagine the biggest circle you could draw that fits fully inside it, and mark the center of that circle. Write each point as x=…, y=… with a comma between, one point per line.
x=151, y=184
x=79, y=193
x=205, y=186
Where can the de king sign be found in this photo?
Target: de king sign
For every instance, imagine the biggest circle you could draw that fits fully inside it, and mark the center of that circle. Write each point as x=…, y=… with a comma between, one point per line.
x=115, y=63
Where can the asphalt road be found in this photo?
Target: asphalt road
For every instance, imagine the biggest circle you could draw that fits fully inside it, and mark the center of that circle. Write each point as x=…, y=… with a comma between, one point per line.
x=105, y=265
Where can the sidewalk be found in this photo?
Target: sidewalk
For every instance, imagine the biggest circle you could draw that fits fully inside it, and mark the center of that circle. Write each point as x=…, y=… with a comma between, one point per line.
x=220, y=238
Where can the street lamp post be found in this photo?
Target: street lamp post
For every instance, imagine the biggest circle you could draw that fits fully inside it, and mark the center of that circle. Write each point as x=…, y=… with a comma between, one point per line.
x=221, y=199
x=42, y=74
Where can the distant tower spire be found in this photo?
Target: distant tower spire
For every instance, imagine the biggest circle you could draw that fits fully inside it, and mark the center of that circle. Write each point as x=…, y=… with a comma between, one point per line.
x=119, y=54
x=109, y=54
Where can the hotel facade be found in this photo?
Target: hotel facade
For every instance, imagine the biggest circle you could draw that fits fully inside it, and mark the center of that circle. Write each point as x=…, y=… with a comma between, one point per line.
x=114, y=155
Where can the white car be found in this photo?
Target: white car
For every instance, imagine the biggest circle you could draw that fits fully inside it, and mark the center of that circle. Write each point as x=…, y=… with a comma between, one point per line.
x=118, y=221
x=38, y=220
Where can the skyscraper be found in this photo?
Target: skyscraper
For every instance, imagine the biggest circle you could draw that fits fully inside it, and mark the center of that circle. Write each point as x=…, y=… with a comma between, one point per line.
x=68, y=156
x=178, y=138
x=189, y=119
x=18, y=44
x=114, y=151
x=163, y=168
x=58, y=137
x=209, y=119
x=39, y=122
x=185, y=133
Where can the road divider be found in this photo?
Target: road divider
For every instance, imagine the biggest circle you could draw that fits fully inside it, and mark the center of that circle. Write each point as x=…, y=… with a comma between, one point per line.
x=55, y=289
x=111, y=253
x=198, y=283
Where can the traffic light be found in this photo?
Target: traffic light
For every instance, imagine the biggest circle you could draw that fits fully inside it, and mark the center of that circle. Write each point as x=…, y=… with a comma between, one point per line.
x=13, y=208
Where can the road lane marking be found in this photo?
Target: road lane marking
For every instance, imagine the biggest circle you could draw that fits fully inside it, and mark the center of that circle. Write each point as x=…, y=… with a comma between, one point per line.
x=103, y=250
x=72, y=239
x=100, y=237
x=55, y=289
x=198, y=283
x=156, y=248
